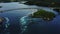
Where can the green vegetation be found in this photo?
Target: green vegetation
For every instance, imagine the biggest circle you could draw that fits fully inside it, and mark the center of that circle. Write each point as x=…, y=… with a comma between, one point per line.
x=43, y=14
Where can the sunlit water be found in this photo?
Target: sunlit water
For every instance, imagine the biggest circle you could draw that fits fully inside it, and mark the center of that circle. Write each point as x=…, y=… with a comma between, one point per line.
x=15, y=17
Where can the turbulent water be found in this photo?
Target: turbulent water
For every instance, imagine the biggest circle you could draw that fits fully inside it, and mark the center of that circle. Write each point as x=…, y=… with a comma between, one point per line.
x=18, y=19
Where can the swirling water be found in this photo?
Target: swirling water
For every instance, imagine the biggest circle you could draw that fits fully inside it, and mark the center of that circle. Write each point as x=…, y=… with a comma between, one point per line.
x=15, y=17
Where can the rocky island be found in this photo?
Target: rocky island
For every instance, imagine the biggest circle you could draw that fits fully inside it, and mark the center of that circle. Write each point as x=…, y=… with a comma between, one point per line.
x=45, y=15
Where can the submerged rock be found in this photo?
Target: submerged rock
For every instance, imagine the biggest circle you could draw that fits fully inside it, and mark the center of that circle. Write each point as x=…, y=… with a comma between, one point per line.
x=57, y=10
x=0, y=6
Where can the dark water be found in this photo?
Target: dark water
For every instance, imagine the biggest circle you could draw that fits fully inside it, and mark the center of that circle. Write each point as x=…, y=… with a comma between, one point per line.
x=14, y=16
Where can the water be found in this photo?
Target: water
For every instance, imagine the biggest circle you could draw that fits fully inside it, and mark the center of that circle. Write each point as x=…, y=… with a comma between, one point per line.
x=14, y=17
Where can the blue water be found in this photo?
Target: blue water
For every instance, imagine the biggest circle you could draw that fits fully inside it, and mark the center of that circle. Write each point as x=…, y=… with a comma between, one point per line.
x=14, y=17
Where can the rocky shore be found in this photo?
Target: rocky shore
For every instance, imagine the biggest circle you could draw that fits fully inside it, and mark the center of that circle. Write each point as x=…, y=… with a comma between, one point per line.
x=43, y=3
